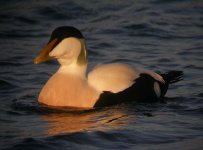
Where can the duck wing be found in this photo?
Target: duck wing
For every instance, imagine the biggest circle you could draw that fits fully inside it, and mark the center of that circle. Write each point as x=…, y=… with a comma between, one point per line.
x=112, y=77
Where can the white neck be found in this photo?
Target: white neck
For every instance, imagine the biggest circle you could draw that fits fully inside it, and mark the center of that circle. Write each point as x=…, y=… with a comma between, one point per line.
x=73, y=69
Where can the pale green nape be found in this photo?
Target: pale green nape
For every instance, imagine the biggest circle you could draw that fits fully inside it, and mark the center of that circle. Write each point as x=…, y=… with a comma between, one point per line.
x=82, y=58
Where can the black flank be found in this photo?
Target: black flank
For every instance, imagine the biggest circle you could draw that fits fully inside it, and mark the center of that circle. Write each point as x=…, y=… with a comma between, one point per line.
x=141, y=91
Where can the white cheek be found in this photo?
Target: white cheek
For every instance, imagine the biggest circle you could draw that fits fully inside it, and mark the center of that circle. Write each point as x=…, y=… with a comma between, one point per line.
x=67, y=48
x=59, y=50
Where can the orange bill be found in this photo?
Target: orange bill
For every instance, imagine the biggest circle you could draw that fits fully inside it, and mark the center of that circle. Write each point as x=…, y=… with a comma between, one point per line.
x=44, y=54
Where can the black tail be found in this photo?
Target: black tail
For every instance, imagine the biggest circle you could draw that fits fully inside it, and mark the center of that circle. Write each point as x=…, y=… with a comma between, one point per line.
x=172, y=76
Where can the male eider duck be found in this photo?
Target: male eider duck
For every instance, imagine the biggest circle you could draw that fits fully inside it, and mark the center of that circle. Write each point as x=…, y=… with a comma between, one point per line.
x=105, y=85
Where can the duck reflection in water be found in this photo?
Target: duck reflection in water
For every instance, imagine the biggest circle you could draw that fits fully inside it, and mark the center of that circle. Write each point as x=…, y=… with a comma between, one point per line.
x=60, y=123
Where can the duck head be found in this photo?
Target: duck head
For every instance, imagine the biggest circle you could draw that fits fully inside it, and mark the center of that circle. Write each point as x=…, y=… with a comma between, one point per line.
x=67, y=45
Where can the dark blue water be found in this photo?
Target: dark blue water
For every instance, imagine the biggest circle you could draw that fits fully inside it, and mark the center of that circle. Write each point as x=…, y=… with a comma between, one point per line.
x=159, y=35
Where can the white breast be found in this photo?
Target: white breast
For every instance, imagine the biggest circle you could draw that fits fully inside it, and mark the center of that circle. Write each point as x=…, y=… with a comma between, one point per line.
x=68, y=90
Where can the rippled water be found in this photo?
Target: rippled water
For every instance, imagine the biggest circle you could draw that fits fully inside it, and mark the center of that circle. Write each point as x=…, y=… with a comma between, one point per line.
x=159, y=35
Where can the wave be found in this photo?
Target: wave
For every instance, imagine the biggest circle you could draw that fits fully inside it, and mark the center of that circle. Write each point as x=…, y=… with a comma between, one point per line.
x=6, y=85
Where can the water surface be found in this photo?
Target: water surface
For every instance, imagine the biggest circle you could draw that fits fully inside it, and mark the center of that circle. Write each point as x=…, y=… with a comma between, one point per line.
x=153, y=34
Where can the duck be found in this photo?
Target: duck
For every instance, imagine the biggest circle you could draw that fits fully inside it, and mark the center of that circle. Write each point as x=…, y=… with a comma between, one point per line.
x=105, y=85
